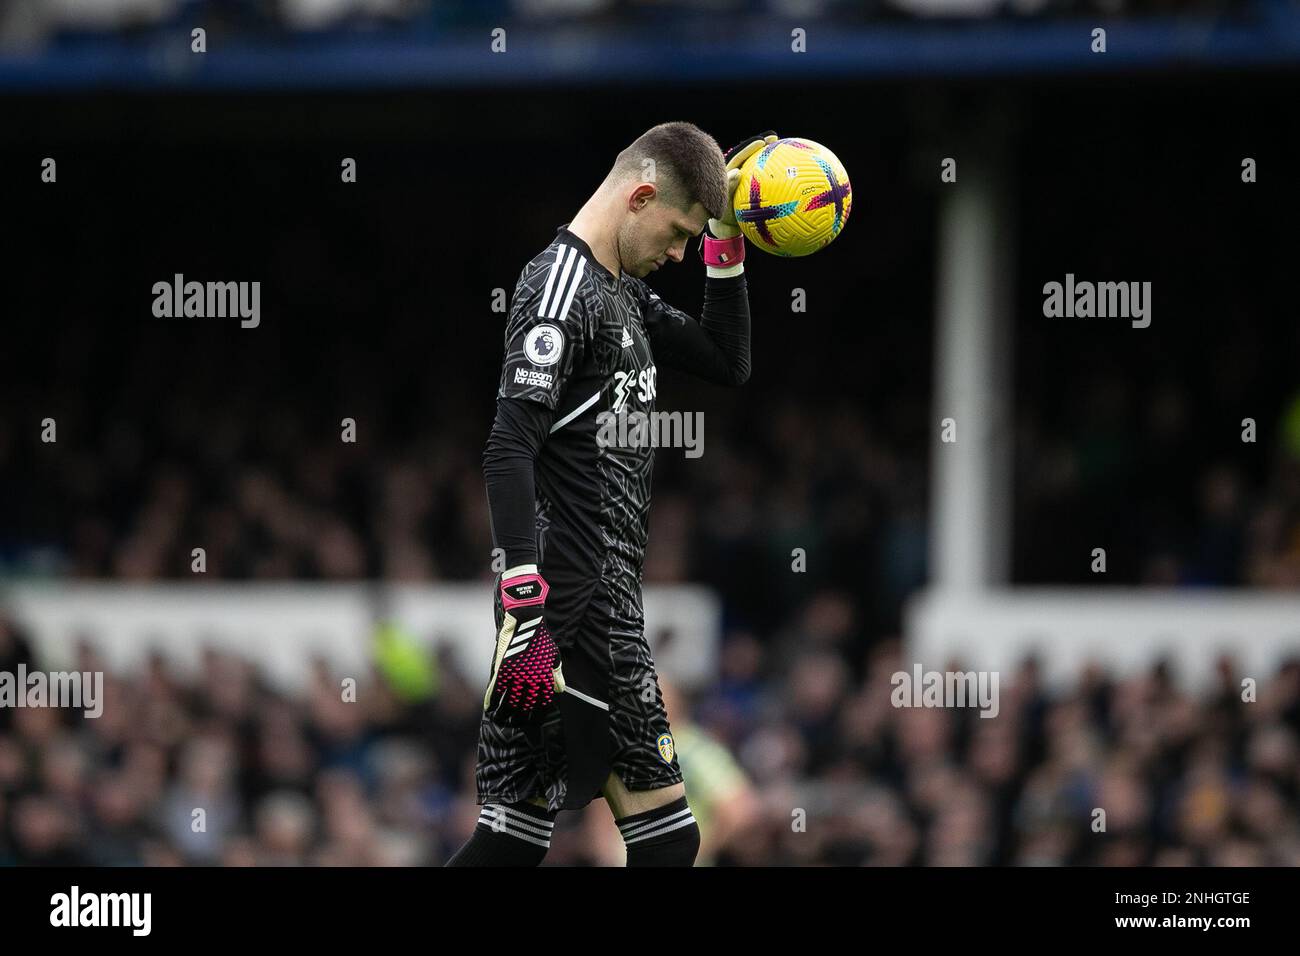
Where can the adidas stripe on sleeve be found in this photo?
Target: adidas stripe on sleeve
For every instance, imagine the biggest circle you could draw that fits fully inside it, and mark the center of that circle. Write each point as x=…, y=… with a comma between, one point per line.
x=547, y=334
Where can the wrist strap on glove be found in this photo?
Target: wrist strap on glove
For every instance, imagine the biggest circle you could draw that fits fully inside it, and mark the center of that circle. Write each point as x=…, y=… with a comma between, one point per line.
x=523, y=587
x=721, y=253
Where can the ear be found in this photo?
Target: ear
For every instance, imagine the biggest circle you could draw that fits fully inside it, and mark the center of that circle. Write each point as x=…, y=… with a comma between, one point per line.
x=642, y=196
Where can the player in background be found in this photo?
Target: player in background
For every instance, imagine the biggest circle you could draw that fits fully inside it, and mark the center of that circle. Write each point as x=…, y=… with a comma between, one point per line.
x=723, y=801
x=573, y=708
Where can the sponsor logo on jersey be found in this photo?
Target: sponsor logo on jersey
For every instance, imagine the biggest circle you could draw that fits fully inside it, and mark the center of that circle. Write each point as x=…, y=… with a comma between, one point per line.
x=544, y=345
x=627, y=338
x=666, y=747
x=643, y=382
x=529, y=376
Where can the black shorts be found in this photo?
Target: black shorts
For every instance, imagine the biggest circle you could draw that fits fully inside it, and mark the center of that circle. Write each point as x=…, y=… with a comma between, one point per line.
x=611, y=718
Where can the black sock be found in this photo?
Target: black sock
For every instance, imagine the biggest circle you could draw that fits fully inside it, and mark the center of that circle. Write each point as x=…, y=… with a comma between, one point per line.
x=665, y=836
x=514, y=835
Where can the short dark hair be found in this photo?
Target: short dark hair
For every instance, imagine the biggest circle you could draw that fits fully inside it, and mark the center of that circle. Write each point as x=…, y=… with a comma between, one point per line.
x=688, y=165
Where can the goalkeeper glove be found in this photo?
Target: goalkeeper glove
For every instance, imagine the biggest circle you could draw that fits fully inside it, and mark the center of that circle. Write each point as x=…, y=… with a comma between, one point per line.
x=723, y=247
x=526, y=672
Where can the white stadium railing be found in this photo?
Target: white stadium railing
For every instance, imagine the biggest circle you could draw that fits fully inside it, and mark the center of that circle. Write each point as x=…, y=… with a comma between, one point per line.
x=282, y=627
x=1123, y=629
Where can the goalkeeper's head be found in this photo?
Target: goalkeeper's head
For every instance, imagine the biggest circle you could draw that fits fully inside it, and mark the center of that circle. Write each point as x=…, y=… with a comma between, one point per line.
x=662, y=191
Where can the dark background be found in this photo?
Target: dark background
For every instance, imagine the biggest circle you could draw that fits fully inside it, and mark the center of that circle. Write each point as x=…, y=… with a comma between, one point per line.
x=376, y=302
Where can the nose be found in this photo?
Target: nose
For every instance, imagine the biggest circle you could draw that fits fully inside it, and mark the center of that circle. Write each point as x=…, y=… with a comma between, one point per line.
x=677, y=251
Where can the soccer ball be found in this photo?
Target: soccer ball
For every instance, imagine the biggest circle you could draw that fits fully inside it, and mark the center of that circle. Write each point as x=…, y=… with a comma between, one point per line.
x=793, y=198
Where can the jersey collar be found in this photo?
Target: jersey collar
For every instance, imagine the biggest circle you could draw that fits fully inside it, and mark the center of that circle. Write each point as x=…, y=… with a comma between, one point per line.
x=581, y=245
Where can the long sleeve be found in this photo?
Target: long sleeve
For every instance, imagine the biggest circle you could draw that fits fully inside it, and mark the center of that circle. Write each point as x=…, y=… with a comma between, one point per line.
x=518, y=432
x=716, y=348
x=545, y=344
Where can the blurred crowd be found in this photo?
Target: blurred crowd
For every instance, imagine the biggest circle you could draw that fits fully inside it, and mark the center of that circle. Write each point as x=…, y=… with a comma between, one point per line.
x=30, y=22
x=325, y=510
x=780, y=478
x=794, y=756
x=1182, y=487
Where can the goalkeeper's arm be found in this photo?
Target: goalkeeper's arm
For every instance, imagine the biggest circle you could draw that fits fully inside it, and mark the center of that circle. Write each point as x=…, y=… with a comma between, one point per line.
x=526, y=667
x=716, y=348
x=518, y=432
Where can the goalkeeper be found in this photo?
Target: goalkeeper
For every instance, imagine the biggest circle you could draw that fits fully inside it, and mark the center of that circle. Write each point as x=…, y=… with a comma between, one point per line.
x=573, y=709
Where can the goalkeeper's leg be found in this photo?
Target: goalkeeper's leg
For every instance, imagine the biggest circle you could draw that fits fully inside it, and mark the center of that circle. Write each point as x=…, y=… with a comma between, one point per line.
x=657, y=825
x=518, y=834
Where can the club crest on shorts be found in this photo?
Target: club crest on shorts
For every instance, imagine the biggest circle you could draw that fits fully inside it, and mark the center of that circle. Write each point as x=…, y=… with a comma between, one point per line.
x=666, y=747
x=544, y=345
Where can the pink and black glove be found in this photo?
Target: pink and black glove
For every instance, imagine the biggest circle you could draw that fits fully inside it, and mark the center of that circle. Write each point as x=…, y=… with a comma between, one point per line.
x=723, y=246
x=526, y=672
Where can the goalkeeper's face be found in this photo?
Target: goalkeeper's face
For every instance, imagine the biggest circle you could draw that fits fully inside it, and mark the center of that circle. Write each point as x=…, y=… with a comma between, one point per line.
x=657, y=231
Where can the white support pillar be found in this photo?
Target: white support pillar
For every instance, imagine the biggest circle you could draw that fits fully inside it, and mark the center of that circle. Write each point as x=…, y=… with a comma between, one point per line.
x=970, y=526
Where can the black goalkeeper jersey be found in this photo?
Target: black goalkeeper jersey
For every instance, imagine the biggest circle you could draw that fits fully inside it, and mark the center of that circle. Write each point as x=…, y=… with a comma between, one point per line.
x=581, y=345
